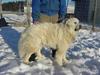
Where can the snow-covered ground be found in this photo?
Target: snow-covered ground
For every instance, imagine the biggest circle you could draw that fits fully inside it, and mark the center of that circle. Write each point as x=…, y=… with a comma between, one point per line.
x=83, y=55
x=14, y=17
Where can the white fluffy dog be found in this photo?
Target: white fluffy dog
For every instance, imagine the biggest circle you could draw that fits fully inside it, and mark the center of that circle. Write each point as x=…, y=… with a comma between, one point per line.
x=56, y=36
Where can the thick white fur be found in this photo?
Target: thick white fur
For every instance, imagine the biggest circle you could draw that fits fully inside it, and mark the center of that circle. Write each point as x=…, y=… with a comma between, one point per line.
x=57, y=36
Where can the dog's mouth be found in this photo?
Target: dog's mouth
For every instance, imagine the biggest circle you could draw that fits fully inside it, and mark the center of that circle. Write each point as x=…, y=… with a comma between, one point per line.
x=78, y=28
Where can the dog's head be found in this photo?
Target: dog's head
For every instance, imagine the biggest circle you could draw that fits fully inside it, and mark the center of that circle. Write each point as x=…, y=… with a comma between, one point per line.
x=73, y=23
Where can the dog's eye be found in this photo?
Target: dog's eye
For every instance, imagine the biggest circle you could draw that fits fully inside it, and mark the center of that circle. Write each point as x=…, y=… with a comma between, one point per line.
x=75, y=22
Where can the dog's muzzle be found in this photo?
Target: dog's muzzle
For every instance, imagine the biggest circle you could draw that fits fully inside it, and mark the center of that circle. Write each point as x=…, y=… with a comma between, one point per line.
x=78, y=28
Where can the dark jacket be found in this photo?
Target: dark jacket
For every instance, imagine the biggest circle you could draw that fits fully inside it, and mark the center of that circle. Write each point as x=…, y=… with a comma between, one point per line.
x=48, y=7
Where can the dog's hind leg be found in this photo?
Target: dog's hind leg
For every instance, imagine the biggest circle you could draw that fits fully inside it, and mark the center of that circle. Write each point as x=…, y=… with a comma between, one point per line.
x=29, y=54
x=39, y=56
x=26, y=58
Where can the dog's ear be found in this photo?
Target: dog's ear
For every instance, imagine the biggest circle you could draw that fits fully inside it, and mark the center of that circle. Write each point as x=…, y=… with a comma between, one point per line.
x=63, y=21
x=66, y=22
x=66, y=18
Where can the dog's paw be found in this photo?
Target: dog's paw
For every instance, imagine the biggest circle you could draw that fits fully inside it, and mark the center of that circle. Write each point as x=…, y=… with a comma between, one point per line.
x=65, y=61
x=26, y=62
x=58, y=62
x=38, y=58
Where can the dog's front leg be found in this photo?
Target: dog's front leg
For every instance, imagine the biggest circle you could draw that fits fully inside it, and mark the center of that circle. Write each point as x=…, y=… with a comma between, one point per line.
x=64, y=59
x=60, y=55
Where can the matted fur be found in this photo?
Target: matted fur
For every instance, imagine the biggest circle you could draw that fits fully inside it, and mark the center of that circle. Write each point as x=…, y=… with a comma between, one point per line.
x=57, y=36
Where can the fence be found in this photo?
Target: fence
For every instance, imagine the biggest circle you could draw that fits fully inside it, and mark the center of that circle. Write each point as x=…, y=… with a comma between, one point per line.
x=88, y=11
x=16, y=8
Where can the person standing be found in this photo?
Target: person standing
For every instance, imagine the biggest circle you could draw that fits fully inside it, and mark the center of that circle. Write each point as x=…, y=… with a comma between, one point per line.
x=48, y=10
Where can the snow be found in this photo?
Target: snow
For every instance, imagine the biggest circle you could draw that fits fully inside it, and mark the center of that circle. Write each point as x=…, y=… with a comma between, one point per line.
x=14, y=17
x=83, y=56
